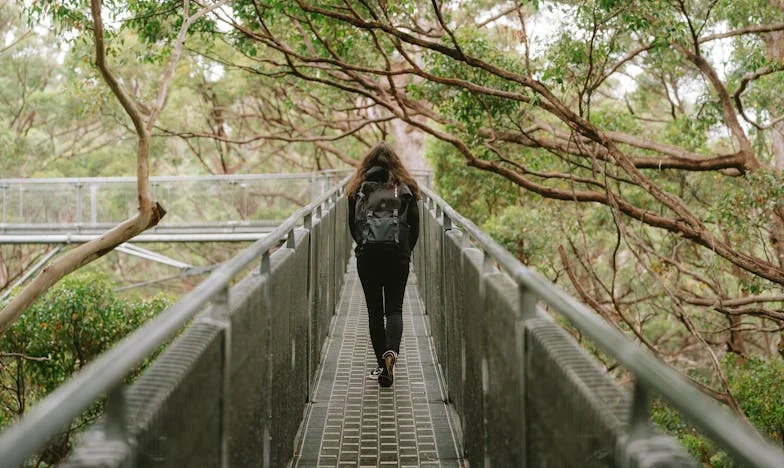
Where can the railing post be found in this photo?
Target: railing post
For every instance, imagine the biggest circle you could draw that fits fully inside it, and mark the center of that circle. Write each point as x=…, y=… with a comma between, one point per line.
x=245, y=214
x=168, y=189
x=527, y=308
x=93, y=204
x=315, y=186
x=639, y=444
x=447, y=226
x=290, y=242
x=639, y=423
x=266, y=306
x=5, y=203
x=423, y=272
x=447, y=222
x=307, y=223
x=338, y=236
x=21, y=204
x=79, y=203
x=487, y=269
x=116, y=425
x=219, y=316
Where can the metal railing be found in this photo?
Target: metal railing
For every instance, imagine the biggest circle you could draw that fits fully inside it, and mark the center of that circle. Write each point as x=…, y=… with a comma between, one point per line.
x=320, y=248
x=31, y=208
x=515, y=375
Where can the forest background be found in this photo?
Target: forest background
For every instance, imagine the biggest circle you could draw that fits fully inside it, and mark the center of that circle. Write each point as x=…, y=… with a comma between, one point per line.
x=631, y=151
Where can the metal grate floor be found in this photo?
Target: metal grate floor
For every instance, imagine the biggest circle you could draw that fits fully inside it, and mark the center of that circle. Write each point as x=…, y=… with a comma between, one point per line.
x=354, y=422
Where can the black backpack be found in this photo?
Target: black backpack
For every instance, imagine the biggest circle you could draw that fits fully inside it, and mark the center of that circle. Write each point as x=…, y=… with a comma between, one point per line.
x=379, y=212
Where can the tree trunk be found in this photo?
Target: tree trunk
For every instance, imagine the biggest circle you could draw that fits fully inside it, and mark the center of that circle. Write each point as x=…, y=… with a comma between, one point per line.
x=150, y=212
x=410, y=146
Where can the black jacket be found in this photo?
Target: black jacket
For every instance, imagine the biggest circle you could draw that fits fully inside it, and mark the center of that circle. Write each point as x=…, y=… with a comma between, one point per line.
x=408, y=239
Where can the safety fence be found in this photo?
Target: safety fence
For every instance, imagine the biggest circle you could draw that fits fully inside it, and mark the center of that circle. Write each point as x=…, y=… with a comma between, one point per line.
x=231, y=387
x=41, y=209
x=526, y=393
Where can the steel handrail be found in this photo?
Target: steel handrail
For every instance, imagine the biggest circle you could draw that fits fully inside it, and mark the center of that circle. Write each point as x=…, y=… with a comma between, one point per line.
x=66, y=402
x=704, y=412
x=160, y=179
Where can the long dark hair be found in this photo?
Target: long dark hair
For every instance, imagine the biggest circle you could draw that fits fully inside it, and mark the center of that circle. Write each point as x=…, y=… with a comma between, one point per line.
x=382, y=155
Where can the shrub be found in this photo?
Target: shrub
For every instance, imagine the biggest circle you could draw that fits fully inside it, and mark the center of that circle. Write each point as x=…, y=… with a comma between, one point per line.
x=75, y=321
x=758, y=386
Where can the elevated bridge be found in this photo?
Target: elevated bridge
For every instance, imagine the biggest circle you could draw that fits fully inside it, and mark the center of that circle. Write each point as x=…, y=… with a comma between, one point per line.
x=268, y=357
x=221, y=208
x=218, y=208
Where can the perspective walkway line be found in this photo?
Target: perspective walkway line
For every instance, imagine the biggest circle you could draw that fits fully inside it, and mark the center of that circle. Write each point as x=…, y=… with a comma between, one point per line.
x=354, y=422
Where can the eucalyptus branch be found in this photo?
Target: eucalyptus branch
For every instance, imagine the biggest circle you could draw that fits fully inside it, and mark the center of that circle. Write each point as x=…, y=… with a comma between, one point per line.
x=525, y=42
x=730, y=116
x=515, y=7
x=753, y=29
x=187, y=22
x=16, y=41
x=744, y=82
x=100, y=59
x=26, y=357
x=256, y=138
x=440, y=16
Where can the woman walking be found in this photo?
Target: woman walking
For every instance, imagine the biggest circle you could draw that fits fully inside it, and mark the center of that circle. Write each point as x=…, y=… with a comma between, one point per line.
x=384, y=222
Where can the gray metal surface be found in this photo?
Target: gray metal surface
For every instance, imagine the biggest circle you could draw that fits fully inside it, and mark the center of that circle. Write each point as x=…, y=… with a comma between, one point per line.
x=351, y=421
x=144, y=237
x=477, y=318
x=108, y=371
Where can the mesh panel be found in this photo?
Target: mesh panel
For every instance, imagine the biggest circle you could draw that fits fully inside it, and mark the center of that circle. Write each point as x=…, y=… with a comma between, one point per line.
x=173, y=408
x=574, y=410
x=503, y=405
x=250, y=365
x=473, y=320
x=454, y=306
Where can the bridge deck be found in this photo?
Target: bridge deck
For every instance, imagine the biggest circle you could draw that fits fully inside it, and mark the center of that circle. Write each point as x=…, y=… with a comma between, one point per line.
x=353, y=421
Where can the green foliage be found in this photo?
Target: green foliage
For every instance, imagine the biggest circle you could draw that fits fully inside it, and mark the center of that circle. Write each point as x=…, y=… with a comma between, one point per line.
x=695, y=444
x=477, y=196
x=520, y=230
x=471, y=110
x=70, y=325
x=741, y=205
x=758, y=386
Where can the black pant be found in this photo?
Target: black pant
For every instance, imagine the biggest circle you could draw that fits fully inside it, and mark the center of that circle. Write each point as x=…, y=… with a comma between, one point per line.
x=383, y=275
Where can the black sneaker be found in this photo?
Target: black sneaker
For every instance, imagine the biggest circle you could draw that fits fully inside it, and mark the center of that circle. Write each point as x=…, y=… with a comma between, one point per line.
x=375, y=373
x=387, y=376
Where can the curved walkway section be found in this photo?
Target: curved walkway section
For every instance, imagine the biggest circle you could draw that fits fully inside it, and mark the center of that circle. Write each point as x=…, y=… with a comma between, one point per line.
x=354, y=422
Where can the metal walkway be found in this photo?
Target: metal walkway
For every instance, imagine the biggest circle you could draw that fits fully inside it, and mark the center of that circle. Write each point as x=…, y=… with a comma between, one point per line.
x=352, y=421
x=280, y=331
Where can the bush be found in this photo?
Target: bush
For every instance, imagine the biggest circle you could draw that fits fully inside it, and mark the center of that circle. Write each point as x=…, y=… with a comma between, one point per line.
x=758, y=386
x=75, y=321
